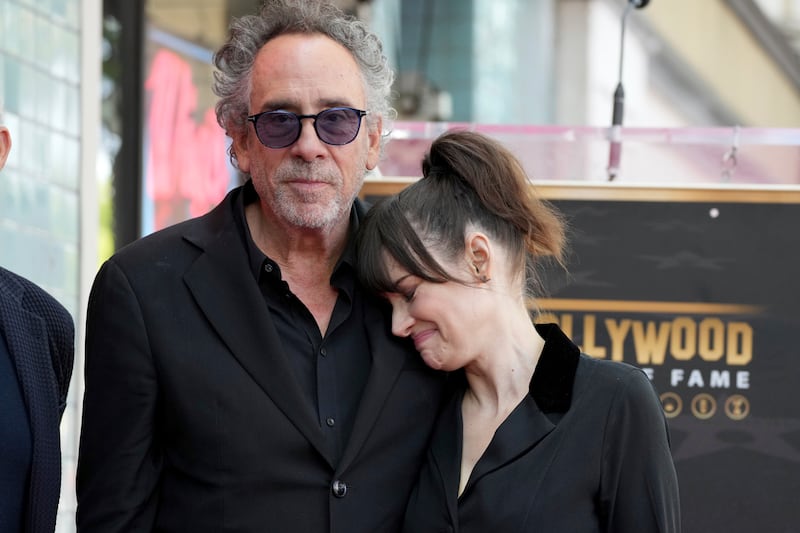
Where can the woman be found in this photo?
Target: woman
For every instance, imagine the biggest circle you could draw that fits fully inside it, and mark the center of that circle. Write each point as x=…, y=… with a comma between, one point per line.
x=536, y=436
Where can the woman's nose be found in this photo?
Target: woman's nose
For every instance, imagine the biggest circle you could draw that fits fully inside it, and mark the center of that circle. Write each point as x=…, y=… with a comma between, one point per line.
x=401, y=322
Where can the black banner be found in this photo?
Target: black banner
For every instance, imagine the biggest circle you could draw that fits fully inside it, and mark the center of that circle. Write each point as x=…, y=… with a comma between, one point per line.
x=700, y=288
x=705, y=296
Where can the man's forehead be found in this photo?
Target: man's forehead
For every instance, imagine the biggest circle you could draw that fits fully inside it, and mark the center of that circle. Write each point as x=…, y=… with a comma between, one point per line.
x=308, y=67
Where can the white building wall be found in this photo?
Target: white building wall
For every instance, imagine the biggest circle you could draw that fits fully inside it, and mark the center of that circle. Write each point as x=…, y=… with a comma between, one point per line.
x=90, y=69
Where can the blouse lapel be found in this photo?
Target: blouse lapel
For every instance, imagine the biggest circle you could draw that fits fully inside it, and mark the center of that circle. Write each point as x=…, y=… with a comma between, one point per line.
x=524, y=428
x=447, y=439
x=531, y=421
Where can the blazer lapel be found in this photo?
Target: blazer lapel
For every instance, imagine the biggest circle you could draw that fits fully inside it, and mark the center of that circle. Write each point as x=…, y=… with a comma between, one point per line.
x=226, y=292
x=388, y=359
x=26, y=336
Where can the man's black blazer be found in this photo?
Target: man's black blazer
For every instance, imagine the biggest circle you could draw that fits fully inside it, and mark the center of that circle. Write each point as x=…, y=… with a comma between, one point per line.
x=193, y=420
x=40, y=335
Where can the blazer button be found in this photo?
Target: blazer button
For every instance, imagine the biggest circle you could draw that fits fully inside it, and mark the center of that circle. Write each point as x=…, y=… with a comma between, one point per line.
x=339, y=488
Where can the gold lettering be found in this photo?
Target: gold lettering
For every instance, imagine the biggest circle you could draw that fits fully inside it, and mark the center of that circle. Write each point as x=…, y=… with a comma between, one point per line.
x=650, y=343
x=566, y=325
x=589, y=330
x=617, y=333
x=740, y=343
x=711, y=339
x=683, y=339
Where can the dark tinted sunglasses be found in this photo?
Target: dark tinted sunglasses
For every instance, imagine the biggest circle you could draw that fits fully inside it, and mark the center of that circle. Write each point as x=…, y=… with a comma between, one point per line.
x=279, y=129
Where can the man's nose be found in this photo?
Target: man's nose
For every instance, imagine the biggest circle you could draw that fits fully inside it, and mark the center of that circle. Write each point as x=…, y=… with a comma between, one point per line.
x=308, y=146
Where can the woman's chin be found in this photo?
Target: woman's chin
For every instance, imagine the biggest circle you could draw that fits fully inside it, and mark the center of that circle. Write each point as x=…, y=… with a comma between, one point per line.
x=431, y=362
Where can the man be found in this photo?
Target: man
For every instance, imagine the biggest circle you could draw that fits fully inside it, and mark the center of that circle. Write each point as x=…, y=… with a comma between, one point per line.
x=36, y=354
x=238, y=378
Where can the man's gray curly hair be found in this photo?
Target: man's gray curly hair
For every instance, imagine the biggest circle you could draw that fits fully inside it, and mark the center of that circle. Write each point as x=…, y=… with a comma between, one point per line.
x=234, y=60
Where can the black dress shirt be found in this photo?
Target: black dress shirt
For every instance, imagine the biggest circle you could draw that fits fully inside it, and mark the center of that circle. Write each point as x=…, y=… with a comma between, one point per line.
x=331, y=369
x=587, y=450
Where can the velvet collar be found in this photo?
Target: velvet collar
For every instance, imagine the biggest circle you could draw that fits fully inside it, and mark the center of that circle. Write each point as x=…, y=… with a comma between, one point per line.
x=551, y=384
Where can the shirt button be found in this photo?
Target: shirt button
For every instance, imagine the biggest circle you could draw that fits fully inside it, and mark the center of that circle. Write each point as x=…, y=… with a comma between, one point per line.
x=339, y=488
x=330, y=421
x=268, y=268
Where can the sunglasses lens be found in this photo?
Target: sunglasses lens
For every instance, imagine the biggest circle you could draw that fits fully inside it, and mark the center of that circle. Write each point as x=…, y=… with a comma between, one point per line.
x=338, y=126
x=277, y=129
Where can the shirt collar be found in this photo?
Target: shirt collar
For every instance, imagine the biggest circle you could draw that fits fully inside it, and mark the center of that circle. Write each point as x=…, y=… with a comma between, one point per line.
x=258, y=260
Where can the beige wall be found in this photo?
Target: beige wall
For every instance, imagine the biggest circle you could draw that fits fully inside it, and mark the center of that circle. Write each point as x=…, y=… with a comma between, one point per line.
x=717, y=45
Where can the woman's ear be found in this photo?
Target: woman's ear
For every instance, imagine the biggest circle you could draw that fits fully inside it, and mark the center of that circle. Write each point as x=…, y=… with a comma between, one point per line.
x=479, y=256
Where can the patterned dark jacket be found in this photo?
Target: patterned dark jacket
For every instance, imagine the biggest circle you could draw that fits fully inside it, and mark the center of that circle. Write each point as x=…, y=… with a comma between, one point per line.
x=40, y=336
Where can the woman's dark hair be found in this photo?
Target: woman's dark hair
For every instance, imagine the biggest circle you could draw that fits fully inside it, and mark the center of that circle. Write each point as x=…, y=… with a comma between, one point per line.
x=468, y=180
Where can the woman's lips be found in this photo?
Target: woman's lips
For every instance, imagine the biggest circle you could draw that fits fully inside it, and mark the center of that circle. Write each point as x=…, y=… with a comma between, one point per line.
x=421, y=337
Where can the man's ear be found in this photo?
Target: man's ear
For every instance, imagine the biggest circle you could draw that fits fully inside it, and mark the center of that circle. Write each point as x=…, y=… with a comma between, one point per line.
x=374, y=153
x=479, y=255
x=239, y=147
x=5, y=145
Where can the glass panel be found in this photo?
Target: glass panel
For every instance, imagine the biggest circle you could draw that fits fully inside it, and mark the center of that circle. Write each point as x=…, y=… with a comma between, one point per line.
x=43, y=104
x=59, y=64
x=25, y=147
x=63, y=215
x=9, y=192
x=43, y=142
x=5, y=26
x=73, y=124
x=9, y=255
x=60, y=106
x=11, y=85
x=26, y=32
x=12, y=123
x=44, y=42
x=753, y=156
x=72, y=57
x=27, y=87
x=178, y=77
x=68, y=171
x=72, y=12
x=11, y=28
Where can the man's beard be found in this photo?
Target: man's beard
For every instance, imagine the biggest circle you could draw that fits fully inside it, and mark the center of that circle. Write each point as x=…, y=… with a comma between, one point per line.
x=313, y=209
